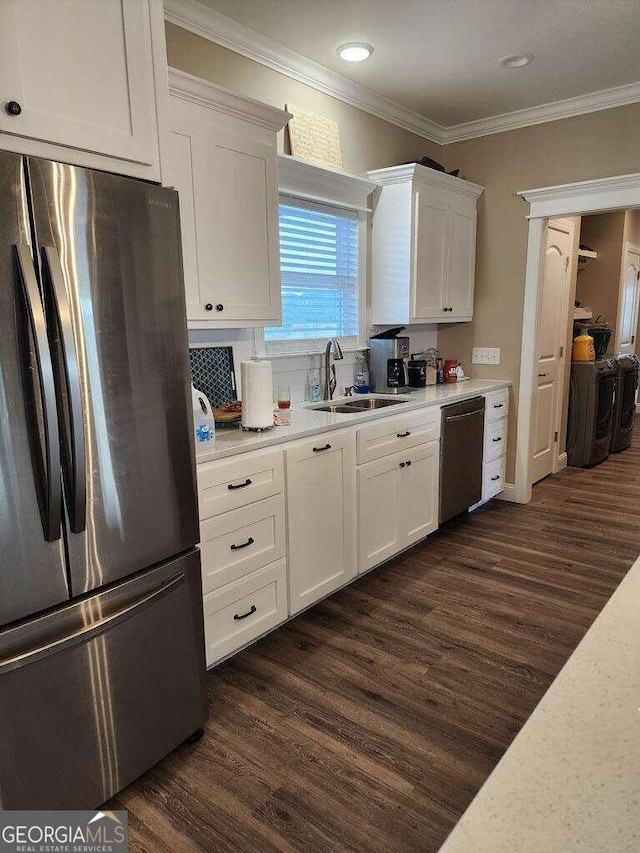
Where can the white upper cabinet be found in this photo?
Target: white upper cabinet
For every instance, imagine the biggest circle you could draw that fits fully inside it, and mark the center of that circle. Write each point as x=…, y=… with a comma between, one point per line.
x=222, y=160
x=424, y=242
x=79, y=81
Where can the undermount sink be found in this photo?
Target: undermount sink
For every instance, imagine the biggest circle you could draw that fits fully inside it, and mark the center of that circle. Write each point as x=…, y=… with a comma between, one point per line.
x=342, y=408
x=373, y=403
x=352, y=407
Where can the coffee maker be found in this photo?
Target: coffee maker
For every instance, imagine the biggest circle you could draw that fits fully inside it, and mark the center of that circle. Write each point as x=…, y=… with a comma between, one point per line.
x=388, y=353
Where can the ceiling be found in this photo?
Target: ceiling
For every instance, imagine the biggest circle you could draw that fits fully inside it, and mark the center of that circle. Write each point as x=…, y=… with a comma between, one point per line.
x=439, y=58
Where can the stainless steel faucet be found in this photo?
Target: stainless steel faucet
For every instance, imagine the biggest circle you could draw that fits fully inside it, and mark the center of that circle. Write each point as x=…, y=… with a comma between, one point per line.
x=330, y=369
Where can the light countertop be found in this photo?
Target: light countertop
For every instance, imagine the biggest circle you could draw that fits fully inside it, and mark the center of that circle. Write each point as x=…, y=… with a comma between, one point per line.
x=306, y=421
x=570, y=781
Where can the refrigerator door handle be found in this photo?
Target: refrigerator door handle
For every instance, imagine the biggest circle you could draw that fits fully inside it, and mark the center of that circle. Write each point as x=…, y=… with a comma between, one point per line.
x=76, y=439
x=89, y=632
x=52, y=504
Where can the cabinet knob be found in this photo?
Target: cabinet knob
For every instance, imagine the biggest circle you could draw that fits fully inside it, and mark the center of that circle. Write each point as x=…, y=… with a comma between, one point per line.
x=208, y=307
x=13, y=108
x=219, y=307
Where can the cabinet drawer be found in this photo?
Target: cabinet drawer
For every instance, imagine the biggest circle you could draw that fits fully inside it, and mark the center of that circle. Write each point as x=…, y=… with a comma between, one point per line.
x=497, y=405
x=495, y=440
x=392, y=435
x=493, y=478
x=231, y=483
x=241, y=611
x=237, y=543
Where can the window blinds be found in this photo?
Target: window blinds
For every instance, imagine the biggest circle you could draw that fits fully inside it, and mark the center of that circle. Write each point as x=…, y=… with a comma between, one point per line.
x=319, y=274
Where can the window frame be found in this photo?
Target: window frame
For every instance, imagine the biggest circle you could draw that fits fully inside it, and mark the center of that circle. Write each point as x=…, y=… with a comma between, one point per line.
x=313, y=184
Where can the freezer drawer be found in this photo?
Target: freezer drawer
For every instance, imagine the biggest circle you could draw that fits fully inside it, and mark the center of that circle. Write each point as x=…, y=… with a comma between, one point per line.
x=95, y=693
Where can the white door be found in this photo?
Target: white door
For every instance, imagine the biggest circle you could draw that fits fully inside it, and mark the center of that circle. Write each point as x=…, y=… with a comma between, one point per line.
x=229, y=213
x=628, y=312
x=553, y=306
x=379, y=516
x=419, y=492
x=462, y=258
x=431, y=247
x=320, y=516
x=79, y=74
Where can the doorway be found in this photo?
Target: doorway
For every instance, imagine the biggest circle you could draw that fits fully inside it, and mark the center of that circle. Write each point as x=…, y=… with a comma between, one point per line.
x=555, y=296
x=580, y=199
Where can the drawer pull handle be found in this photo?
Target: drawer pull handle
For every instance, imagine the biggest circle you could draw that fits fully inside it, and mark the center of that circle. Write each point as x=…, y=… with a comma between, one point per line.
x=402, y=464
x=249, y=612
x=498, y=405
x=320, y=449
x=497, y=477
x=403, y=434
x=497, y=439
x=408, y=463
x=232, y=487
x=246, y=544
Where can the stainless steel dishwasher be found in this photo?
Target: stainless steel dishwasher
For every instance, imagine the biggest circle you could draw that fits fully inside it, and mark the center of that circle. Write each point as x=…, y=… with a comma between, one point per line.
x=461, y=447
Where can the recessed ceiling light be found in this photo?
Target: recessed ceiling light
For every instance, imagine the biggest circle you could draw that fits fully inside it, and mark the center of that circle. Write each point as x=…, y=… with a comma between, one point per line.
x=516, y=60
x=355, y=51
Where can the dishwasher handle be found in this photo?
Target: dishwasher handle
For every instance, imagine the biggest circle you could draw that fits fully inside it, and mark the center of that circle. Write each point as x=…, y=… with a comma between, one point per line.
x=452, y=418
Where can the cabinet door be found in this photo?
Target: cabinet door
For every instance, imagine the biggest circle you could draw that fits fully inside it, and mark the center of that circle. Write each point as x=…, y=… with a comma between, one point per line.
x=419, y=493
x=431, y=250
x=321, y=516
x=379, y=533
x=82, y=74
x=229, y=213
x=462, y=258
x=241, y=252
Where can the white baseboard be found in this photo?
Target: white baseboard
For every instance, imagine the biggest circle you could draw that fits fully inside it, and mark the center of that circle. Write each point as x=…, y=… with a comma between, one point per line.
x=508, y=493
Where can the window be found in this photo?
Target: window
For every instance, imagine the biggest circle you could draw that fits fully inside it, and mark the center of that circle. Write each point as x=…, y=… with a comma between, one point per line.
x=320, y=272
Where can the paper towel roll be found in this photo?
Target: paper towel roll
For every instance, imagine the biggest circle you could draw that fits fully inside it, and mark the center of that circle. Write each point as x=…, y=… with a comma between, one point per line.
x=257, y=394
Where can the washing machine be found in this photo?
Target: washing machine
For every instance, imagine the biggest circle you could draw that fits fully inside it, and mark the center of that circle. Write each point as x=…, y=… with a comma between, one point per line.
x=592, y=393
x=624, y=412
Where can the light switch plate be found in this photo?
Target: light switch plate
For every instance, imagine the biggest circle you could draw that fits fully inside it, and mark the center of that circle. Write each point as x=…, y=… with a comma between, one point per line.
x=486, y=355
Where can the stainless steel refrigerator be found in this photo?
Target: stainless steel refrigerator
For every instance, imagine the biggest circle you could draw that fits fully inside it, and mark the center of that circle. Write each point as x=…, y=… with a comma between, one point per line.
x=101, y=637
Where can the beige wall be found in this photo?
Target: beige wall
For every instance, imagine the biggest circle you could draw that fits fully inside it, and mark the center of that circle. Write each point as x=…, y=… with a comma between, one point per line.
x=367, y=142
x=591, y=146
x=599, y=284
x=632, y=227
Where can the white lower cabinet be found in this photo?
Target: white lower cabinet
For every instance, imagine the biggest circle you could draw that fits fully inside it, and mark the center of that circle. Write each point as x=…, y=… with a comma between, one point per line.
x=242, y=611
x=320, y=489
x=397, y=503
x=236, y=543
x=283, y=527
x=493, y=478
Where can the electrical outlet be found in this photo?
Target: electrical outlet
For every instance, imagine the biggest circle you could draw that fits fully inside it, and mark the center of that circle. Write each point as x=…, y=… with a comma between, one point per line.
x=486, y=355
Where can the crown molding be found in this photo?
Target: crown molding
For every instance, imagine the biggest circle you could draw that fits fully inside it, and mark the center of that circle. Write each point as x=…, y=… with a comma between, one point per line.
x=615, y=193
x=605, y=99
x=205, y=22
x=409, y=171
x=206, y=94
x=303, y=179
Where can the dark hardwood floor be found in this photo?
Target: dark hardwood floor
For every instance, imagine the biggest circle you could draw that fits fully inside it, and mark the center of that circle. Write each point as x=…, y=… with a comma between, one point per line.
x=369, y=722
